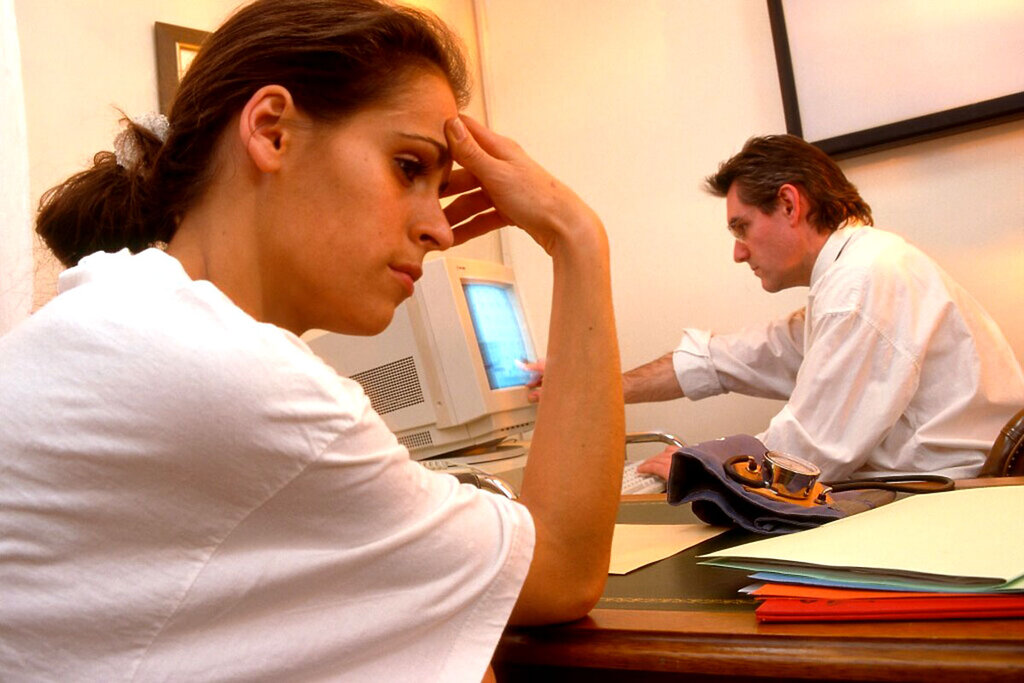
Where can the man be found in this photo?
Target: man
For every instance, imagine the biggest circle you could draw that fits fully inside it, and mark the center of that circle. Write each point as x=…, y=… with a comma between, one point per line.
x=890, y=368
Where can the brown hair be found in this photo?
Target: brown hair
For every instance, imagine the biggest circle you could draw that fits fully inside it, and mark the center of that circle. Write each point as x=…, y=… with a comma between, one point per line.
x=767, y=163
x=334, y=57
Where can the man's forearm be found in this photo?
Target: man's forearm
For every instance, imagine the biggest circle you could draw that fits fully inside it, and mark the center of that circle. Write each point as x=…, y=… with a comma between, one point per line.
x=654, y=381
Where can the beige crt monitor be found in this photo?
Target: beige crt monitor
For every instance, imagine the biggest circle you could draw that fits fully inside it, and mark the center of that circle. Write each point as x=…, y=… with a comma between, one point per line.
x=445, y=374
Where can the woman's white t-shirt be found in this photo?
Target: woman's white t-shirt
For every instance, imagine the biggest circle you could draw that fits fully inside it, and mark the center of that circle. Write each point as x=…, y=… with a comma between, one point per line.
x=189, y=494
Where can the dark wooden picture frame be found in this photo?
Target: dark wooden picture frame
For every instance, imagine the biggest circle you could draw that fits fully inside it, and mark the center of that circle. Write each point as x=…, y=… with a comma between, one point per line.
x=175, y=48
x=958, y=119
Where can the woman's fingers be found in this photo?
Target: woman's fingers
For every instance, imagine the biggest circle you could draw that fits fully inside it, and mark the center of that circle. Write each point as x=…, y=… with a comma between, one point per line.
x=522, y=192
x=513, y=183
x=466, y=151
x=478, y=225
x=497, y=146
x=467, y=205
x=460, y=181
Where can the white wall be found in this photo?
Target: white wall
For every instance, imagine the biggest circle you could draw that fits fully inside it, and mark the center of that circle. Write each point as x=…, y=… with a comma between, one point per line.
x=83, y=60
x=632, y=103
x=15, y=215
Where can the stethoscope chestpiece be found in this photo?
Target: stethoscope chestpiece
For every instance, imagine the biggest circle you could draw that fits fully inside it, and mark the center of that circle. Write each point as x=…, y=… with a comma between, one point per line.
x=788, y=475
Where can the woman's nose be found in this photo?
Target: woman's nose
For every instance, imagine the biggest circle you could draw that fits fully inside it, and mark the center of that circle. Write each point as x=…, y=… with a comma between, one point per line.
x=434, y=231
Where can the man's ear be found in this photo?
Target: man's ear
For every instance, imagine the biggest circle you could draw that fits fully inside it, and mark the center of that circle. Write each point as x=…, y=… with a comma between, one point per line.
x=790, y=203
x=263, y=127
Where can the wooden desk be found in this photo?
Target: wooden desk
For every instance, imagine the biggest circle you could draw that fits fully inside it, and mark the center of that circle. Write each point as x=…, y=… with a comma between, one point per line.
x=717, y=638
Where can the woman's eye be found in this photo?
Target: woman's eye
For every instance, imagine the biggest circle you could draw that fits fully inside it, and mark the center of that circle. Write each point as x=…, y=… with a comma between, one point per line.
x=411, y=168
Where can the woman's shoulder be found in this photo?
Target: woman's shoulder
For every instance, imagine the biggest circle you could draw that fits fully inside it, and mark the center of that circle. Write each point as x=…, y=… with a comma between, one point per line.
x=143, y=312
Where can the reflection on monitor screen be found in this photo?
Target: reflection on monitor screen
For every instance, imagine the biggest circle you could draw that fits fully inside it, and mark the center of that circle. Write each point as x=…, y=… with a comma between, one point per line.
x=493, y=310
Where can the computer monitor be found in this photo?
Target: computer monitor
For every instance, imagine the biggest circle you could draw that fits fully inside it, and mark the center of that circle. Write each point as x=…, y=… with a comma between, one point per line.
x=446, y=374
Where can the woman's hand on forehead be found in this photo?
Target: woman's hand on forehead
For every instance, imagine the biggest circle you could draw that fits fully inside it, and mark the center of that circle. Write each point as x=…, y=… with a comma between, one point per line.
x=459, y=181
x=510, y=189
x=473, y=214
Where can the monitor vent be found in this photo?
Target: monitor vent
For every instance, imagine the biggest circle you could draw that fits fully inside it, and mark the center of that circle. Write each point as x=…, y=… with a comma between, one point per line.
x=392, y=386
x=417, y=440
x=524, y=427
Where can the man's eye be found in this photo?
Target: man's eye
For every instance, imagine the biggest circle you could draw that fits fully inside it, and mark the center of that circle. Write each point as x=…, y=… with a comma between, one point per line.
x=411, y=168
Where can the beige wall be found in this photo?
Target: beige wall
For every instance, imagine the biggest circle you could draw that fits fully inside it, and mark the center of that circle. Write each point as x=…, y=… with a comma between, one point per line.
x=632, y=103
x=83, y=60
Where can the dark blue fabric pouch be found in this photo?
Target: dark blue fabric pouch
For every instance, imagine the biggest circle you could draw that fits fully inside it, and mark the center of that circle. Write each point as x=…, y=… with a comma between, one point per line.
x=698, y=476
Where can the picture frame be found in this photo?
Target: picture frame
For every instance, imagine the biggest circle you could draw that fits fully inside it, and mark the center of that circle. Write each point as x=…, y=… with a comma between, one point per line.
x=176, y=47
x=968, y=114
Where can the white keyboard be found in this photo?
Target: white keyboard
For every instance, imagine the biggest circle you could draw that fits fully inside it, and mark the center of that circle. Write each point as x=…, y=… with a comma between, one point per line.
x=633, y=482
x=442, y=465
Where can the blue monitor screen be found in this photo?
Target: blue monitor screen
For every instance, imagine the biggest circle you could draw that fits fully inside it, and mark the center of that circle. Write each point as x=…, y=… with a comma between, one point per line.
x=499, y=332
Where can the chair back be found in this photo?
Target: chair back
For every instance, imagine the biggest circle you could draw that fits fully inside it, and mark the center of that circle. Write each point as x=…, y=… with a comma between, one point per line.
x=1006, y=459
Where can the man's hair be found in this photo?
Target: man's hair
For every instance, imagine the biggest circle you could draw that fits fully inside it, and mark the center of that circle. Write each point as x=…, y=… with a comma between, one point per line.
x=767, y=163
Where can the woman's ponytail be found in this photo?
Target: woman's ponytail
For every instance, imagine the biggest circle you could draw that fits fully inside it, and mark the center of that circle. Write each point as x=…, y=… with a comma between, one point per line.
x=109, y=206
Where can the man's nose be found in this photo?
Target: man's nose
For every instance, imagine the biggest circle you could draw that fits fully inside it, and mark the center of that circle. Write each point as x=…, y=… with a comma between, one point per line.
x=740, y=252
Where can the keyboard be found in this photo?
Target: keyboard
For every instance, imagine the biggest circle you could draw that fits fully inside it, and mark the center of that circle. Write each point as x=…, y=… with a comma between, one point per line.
x=442, y=465
x=634, y=482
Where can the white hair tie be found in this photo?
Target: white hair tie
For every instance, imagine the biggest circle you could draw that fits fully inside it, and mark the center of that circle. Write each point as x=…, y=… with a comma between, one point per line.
x=127, y=150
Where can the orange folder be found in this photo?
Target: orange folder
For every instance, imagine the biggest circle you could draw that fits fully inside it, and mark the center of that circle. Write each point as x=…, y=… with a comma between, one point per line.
x=787, y=590
x=891, y=609
x=792, y=602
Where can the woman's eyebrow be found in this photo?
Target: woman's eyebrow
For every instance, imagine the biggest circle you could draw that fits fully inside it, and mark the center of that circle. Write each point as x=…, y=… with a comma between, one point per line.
x=442, y=149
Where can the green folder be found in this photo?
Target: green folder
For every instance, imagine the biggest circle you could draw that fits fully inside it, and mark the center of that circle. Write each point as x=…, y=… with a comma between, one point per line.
x=957, y=541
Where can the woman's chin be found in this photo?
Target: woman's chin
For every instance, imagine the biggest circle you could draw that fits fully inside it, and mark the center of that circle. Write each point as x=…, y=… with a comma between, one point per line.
x=367, y=326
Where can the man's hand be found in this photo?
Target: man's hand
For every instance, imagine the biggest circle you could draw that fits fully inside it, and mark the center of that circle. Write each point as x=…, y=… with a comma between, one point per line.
x=659, y=464
x=536, y=370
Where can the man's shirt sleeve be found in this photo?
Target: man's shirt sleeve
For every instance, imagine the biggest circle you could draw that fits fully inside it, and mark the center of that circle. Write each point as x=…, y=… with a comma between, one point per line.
x=759, y=361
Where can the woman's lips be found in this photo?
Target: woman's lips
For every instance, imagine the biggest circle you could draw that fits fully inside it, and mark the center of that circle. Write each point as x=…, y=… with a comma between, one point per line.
x=407, y=275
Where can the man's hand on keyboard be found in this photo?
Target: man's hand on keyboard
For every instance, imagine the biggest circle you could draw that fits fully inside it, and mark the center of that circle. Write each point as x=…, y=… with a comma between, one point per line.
x=659, y=464
x=635, y=483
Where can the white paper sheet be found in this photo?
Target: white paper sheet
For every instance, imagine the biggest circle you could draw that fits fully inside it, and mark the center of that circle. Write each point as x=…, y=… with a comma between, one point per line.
x=637, y=545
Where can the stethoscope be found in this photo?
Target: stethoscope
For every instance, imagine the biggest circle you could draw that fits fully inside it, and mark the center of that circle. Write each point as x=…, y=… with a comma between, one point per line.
x=792, y=479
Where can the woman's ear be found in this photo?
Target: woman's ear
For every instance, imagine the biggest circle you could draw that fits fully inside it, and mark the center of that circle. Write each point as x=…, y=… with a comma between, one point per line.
x=263, y=127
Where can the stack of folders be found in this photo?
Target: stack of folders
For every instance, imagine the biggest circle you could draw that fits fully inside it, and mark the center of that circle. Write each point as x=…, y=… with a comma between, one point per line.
x=952, y=555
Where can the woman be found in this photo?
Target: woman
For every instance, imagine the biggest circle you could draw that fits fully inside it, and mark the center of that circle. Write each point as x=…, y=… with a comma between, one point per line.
x=187, y=491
